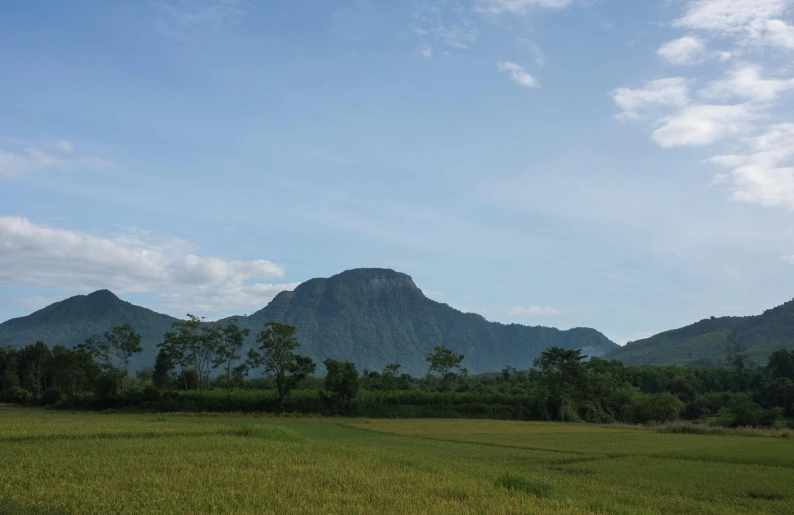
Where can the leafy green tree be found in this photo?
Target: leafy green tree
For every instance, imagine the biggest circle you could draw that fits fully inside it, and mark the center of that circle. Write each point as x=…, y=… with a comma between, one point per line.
x=230, y=351
x=341, y=381
x=115, y=350
x=448, y=365
x=275, y=353
x=563, y=371
x=190, y=343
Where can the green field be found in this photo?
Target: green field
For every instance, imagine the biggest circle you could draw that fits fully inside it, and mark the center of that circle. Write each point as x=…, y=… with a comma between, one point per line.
x=59, y=462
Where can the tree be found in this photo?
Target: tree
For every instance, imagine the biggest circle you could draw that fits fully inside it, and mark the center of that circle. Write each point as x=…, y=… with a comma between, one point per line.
x=171, y=354
x=73, y=369
x=733, y=349
x=34, y=367
x=341, y=381
x=446, y=363
x=230, y=351
x=145, y=374
x=192, y=343
x=562, y=372
x=115, y=351
x=389, y=376
x=781, y=363
x=277, y=344
x=163, y=365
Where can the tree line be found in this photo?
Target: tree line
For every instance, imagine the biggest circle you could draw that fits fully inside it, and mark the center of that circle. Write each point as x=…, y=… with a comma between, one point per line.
x=202, y=366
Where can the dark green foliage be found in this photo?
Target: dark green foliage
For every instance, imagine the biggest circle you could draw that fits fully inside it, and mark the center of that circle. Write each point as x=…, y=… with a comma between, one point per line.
x=341, y=380
x=704, y=343
x=163, y=365
x=781, y=364
x=563, y=373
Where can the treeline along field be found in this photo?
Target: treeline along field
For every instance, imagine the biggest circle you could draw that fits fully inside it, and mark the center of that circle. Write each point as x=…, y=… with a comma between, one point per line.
x=201, y=367
x=61, y=462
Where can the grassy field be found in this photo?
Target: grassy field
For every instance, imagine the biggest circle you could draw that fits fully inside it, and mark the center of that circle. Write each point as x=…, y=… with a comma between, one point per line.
x=58, y=462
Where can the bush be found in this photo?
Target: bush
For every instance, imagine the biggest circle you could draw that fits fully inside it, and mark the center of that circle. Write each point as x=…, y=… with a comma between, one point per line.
x=656, y=407
x=51, y=396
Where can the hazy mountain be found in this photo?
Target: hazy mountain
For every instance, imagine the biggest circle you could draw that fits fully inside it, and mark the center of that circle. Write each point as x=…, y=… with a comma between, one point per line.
x=703, y=343
x=370, y=316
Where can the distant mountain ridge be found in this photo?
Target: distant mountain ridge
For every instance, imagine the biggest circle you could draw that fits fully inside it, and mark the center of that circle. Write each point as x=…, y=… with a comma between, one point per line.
x=370, y=316
x=703, y=343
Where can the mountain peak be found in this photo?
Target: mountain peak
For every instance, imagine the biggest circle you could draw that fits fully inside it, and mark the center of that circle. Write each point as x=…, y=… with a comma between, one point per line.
x=102, y=296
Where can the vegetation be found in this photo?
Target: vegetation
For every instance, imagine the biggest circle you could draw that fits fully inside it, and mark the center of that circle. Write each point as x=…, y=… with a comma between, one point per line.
x=58, y=462
x=565, y=386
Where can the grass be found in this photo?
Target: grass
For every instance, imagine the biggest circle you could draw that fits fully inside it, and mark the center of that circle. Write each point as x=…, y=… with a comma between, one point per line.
x=685, y=427
x=56, y=462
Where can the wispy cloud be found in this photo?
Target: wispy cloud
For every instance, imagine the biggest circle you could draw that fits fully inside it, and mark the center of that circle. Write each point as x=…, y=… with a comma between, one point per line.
x=19, y=158
x=179, y=19
x=518, y=6
x=518, y=74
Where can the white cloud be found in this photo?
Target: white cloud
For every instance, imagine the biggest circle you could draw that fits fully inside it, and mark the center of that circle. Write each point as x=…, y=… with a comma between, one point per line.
x=789, y=259
x=18, y=158
x=750, y=21
x=780, y=34
x=730, y=16
x=46, y=257
x=745, y=81
x=699, y=125
x=661, y=93
x=518, y=74
x=427, y=51
x=682, y=51
x=518, y=6
x=532, y=311
x=760, y=175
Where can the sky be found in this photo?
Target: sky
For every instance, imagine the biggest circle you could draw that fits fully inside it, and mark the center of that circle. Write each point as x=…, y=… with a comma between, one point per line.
x=615, y=164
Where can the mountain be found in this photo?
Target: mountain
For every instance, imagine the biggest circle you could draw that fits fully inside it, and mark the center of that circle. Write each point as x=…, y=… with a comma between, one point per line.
x=69, y=322
x=378, y=316
x=370, y=316
x=703, y=343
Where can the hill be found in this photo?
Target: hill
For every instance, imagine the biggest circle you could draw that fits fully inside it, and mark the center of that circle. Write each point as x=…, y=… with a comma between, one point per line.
x=69, y=322
x=703, y=343
x=370, y=316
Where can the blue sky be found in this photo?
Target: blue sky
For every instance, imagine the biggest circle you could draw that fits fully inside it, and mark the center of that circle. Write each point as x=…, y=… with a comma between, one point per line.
x=616, y=164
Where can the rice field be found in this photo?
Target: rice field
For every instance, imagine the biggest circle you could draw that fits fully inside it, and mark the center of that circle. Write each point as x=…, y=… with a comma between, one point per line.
x=61, y=462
